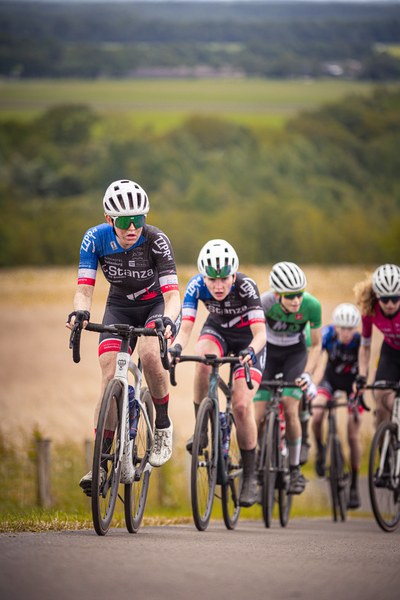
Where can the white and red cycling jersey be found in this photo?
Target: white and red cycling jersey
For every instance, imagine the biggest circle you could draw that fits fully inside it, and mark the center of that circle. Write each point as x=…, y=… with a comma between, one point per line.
x=390, y=327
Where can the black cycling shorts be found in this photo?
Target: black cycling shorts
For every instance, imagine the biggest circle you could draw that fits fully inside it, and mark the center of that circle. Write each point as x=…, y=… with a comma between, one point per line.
x=120, y=310
x=232, y=341
x=389, y=364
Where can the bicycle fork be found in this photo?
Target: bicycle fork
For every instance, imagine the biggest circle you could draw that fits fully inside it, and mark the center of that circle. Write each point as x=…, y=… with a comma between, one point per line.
x=385, y=445
x=123, y=364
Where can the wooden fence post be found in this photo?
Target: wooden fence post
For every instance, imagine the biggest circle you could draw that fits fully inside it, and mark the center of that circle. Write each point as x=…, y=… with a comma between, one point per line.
x=88, y=454
x=43, y=472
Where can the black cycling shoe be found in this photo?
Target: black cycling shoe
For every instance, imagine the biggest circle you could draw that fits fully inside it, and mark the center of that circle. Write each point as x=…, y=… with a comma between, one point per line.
x=354, y=499
x=204, y=442
x=320, y=462
x=297, y=483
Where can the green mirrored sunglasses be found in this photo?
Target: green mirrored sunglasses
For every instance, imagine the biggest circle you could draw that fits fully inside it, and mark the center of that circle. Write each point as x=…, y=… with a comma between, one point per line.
x=218, y=273
x=124, y=222
x=293, y=296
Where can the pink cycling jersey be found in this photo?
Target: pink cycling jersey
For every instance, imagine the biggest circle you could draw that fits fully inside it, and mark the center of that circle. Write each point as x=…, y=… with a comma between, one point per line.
x=389, y=327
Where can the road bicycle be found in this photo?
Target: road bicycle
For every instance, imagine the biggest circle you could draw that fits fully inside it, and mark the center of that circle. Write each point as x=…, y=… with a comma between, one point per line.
x=216, y=458
x=117, y=458
x=337, y=468
x=273, y=472
x=384, y=463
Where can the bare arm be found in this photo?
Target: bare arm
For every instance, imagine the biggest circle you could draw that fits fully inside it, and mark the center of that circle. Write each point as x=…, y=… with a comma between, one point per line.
x=185, y=331
x=82, y=301
x=172, y=308
x=364, y=355
x=315, y=350
x=259, y=339
x=319, y=369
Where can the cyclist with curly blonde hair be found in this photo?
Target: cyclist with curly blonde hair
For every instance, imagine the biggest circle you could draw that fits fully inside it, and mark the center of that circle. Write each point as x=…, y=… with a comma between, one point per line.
x=379, y=300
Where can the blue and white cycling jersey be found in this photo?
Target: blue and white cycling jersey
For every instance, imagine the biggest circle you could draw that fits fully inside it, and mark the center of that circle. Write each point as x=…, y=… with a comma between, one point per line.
x=341, y=358
x=241, y=307
x=141, y=273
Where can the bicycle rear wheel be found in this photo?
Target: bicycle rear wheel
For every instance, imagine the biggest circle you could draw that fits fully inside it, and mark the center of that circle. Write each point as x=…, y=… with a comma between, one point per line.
x=384, y=489
x=231, y=491
x=271, y=468
x=106, y=466
x=203, y=474
x=285, y=499
x=337, y=479
x=136, y=492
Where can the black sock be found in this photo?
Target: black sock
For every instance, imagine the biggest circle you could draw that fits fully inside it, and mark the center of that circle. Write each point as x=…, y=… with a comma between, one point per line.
x=320, y=445
x=162, y=418
x=354, y=479
x=248, y=457
x=294, y=468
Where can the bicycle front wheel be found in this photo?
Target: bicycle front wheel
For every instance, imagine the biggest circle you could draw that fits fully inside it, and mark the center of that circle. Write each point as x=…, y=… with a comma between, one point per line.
x=337, y=479
x=384, y=487
x=106, y=464
x=136, y=492
x=271, y=468
x=231, y=491
x=285, y=499
x=203, y=475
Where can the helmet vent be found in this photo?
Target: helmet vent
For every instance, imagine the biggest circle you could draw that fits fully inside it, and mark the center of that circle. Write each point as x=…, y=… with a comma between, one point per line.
x=121, y=201
x=130, y=198
x=113, y=205
x=139, y=200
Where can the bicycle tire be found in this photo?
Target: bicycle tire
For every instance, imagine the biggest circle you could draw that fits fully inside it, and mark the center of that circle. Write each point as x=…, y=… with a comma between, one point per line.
x=385, y=501
x=136, y=492
x=230, y=492
x=336, y=483
x=106, y=452
x=284, y=499
x=203, y=474
x=271, y=468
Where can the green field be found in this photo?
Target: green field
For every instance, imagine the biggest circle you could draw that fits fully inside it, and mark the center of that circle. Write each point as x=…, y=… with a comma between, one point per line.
x=165, y=104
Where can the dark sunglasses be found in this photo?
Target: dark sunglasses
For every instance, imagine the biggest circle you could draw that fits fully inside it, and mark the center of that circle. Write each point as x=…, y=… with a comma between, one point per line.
x=124, y=222
x=386, y=299
x=218, y=273
x=293, y=296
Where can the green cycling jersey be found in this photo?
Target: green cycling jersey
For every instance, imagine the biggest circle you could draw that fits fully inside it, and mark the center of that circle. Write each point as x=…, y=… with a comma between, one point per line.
x=286, y=329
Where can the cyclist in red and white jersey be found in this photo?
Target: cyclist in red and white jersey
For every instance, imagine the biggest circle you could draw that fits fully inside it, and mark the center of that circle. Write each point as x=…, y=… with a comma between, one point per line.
x=379, y=300
x=138, y=262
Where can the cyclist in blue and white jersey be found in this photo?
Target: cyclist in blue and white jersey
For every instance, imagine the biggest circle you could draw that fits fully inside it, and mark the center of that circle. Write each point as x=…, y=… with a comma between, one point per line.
x=340, y=344
x=235, y=325
x=137, y=260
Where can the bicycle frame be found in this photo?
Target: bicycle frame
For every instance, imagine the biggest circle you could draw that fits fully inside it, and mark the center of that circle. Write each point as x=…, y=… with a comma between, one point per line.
x=396, y=420
x=123, y=365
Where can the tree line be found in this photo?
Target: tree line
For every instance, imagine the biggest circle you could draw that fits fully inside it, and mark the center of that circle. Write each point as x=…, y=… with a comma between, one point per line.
x=114, y=40
x=326, y=189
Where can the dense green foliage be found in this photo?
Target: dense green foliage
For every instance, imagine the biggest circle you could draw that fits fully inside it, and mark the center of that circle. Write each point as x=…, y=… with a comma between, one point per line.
x=278, y=39
x=324, y=190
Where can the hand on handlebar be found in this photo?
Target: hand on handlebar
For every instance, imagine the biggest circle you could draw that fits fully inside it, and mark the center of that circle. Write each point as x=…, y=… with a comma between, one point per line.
x=247, y=355
x=304, y=381
x=312, y=391
x=80, y=318
x=175, y=353
x=359, y=385
x=170, y=328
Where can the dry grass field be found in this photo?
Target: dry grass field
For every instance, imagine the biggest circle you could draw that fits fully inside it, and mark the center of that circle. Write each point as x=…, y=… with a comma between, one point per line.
x=42, y=388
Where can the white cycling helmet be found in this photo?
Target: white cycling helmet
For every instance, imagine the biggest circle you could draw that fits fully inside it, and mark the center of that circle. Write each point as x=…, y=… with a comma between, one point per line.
x=346, y=315
x=386, y=280
x=287, y=278
x=217, y=259
x=125, y=198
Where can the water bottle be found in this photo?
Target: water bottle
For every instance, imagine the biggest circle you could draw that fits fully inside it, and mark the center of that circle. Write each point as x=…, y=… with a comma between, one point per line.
x=225, y=430
x=133, y=413
x=283, y=430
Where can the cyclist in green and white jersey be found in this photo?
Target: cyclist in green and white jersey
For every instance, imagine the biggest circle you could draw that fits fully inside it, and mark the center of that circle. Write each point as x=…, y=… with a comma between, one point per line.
x=288, y=310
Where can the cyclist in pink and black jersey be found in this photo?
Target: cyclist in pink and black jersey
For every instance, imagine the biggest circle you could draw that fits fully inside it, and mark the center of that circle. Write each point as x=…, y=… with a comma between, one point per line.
x=138, y=262
x=236, y=324
x=379, y=300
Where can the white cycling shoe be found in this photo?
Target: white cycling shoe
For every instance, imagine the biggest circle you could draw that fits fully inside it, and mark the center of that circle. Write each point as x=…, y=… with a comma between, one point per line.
x=162, y=448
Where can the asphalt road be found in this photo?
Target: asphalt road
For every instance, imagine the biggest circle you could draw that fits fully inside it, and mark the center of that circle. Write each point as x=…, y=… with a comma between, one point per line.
x=310, y=558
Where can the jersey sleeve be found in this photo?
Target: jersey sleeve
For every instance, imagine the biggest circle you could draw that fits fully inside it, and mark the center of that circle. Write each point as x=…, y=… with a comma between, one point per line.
x=249, y=291
x=326, y=336
x=366, y=335
x=88, y=258
x=191, y=298
x=163, y=257
x=315, y=315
